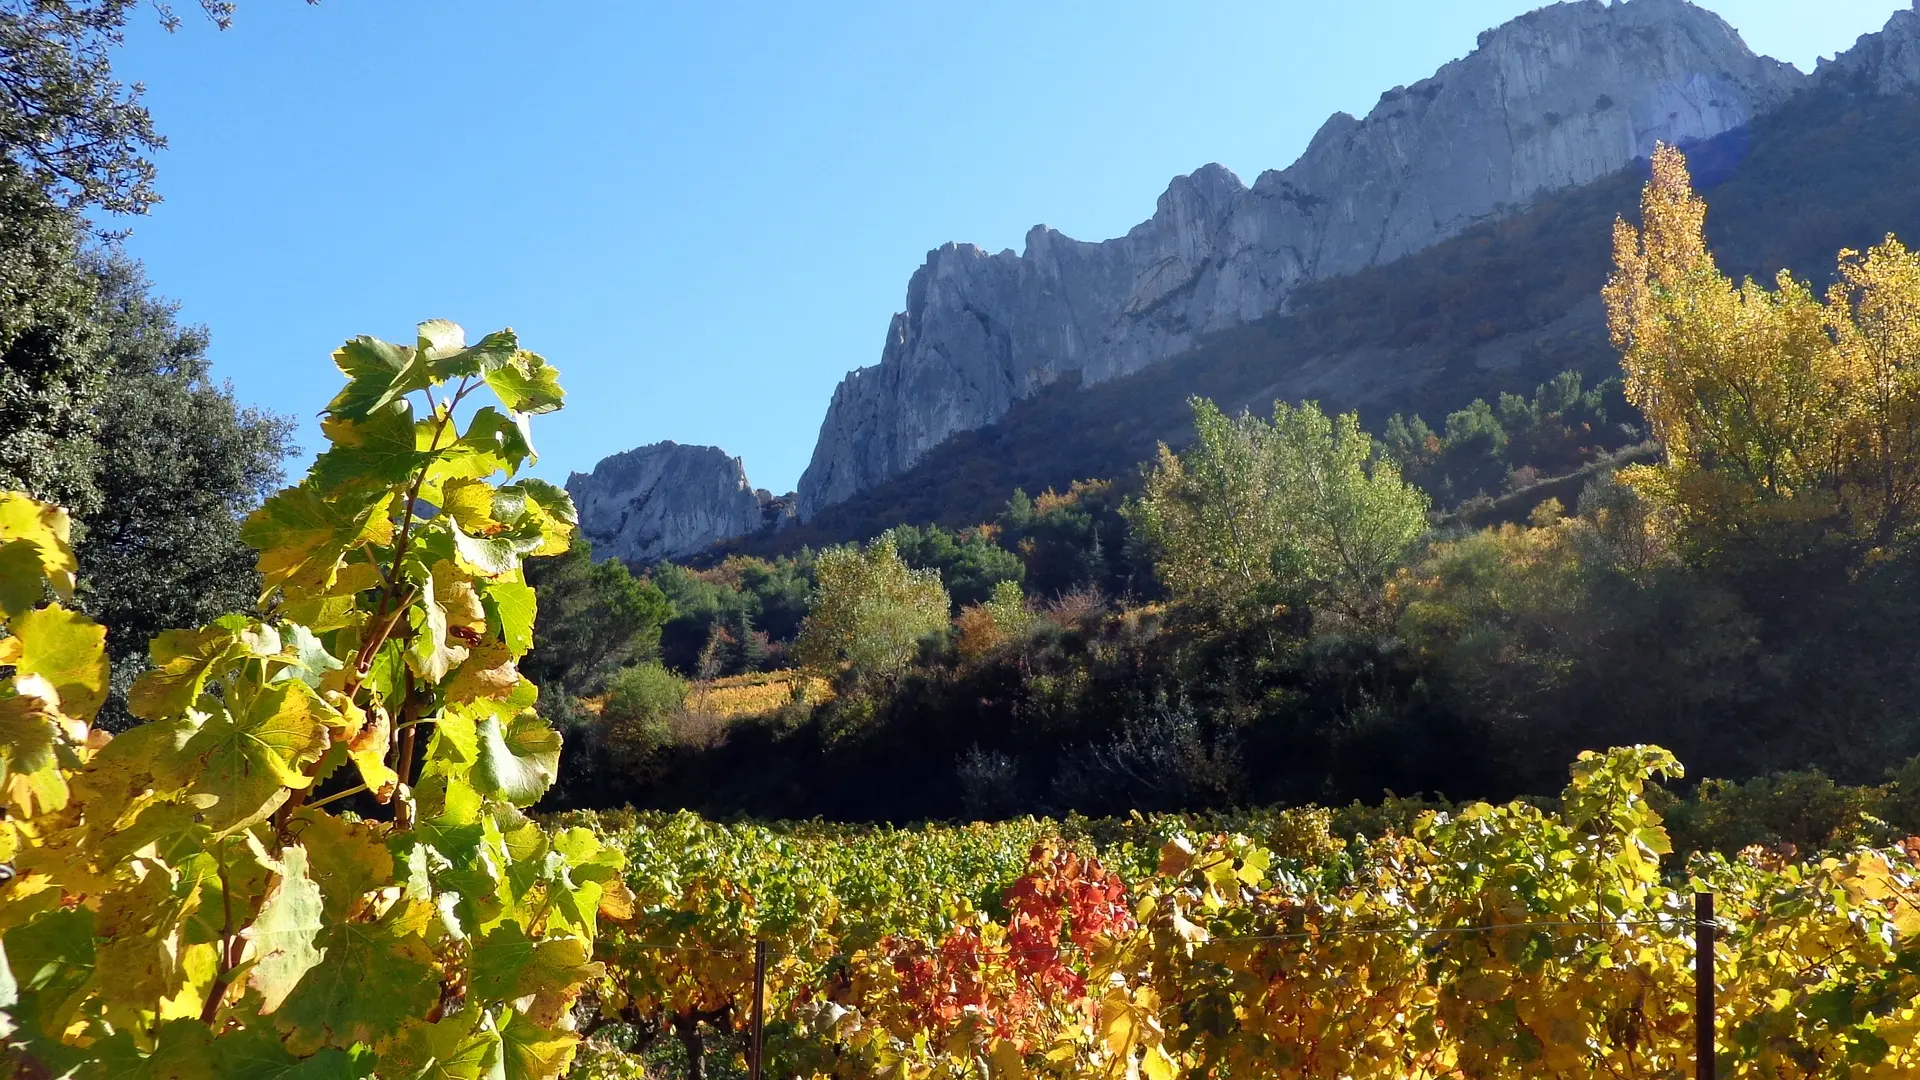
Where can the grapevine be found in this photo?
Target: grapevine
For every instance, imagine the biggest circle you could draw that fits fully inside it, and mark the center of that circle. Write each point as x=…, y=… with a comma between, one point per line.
x=195, y=897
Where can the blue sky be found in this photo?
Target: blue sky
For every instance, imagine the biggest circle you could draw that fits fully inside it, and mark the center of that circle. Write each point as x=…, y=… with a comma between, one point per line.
x=705, y=213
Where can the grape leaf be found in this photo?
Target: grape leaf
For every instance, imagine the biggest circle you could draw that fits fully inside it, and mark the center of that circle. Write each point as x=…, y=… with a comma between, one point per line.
x=527, y=384
x=250, y=760
x=346, y=858
x=452, y=358
x=48, y=531
x=376, y=978
x=448, y=603
x=378, y=374
x=68, y=650
x=22, y=582
x=531, y=1052
x=448, y=1050
x=514, y=606
x=379, y=451
x=282, y=936
x=518, y=759
x=488, y=672
x=29, y=778
x=301, y=535
x=183, y=661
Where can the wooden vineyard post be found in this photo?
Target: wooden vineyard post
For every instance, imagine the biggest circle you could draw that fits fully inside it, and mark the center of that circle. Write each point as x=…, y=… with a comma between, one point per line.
x=759, y=1007
x=1703, y=985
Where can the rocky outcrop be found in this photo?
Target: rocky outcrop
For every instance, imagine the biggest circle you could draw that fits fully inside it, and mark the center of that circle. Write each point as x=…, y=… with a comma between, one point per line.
x=668, y=501
x=1555, y=98
x=1884, y=63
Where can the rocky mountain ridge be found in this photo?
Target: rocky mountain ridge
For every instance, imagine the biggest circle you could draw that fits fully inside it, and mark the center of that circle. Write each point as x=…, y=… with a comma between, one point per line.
x=1553, y=99
x=669, y=501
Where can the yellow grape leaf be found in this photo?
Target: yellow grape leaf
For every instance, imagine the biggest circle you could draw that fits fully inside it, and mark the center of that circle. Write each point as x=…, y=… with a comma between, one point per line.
x=49, y=531
x=68, y=650
x=470, y=504
x=529, y=1051
x=32, y=779
x=1157, y=1064
x=488, y=672
x=183, y=662
x=250, y=759
x=346, y=858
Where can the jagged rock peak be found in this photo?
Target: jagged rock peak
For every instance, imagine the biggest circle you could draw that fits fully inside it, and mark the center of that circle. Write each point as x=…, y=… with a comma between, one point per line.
x=1558, y=97
x=1887, y=62
x=669, y=501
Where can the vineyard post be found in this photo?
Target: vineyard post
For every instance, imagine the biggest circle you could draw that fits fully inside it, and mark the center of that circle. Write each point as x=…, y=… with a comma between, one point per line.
x=759, y=1006
x=1703, y=985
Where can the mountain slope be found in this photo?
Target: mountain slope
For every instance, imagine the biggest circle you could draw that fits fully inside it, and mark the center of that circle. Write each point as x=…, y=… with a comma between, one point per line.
x=1560, y=97
x=1503, y=306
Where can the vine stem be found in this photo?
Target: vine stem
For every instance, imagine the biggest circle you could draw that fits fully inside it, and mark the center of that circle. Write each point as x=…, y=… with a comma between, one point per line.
x=373, y=644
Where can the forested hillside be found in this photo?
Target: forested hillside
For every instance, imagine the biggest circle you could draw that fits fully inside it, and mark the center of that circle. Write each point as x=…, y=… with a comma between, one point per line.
x=1529, y=592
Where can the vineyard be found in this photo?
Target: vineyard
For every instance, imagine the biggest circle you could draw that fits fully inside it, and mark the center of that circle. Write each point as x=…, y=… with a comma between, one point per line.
x=1497, y=941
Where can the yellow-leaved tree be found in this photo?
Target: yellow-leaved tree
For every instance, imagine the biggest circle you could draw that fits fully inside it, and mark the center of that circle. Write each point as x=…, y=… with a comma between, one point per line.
x=1780, y=410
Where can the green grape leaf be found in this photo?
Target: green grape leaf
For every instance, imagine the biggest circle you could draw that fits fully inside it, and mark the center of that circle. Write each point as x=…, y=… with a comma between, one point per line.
x=484, y=556
x=183, y=661
x=518, y=759
x=53, y=961
x=378, y=374
x=311, y=660
x=48, y=531
x=493, y=442
x=282, y=936
x=513, y=606
x=377, y=452
x=68, y=650
x=255, y=1053
x=449, y=1050
x=527, y=384
x=377, y=976
x=452, y=358
x=531, y=1052
x=508, y=964
x=249, y=760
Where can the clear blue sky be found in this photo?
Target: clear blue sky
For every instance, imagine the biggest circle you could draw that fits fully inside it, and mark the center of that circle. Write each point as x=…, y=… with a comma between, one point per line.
x=705, y=213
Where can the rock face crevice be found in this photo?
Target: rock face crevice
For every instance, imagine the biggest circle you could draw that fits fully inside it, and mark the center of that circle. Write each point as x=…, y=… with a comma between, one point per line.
x=1556, y=98
x=669, y=501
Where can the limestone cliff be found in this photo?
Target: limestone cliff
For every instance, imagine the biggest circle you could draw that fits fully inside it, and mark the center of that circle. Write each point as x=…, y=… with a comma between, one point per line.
x=1884, y=63
x=668, y=501
x=1556, y=98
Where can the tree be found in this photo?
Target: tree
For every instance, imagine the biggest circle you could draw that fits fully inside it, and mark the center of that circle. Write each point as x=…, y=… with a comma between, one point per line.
x=66, y=123
x=870, y=610
x=1254, y=515
x=50, y=378
x=1778, y=410
x=594, y=618
x=178, y=464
